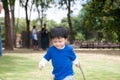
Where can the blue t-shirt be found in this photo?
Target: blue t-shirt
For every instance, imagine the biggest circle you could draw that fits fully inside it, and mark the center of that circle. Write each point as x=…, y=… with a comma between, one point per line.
x=61, y=61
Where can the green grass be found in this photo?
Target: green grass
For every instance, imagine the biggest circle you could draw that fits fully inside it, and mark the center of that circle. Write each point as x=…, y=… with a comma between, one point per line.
x=16, y=66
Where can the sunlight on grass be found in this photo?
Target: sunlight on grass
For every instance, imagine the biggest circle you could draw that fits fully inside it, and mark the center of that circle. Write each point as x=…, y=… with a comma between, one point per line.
x=25, y=67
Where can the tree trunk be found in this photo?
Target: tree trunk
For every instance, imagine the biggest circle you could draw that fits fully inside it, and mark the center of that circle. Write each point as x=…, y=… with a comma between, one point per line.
x=70, y=23
x=13, y=26
x=39, y=17
x=28, y=33
x=8, y=29
x=28, y=29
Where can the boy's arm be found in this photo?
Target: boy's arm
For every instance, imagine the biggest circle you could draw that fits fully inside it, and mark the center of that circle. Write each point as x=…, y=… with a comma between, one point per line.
x=76, y=62
x=42, y=63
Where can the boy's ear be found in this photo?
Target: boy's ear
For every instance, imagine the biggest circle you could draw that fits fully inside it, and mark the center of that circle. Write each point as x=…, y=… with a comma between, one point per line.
x=67, y=41
x=51, y=42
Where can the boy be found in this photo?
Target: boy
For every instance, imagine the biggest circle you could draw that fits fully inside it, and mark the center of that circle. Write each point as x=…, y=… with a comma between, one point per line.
x=61, y=54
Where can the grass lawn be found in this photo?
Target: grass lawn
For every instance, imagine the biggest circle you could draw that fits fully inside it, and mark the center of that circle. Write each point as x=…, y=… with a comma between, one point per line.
x=24, y=66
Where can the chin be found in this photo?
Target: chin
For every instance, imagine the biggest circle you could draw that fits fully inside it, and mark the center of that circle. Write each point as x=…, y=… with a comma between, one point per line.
x=58, y=47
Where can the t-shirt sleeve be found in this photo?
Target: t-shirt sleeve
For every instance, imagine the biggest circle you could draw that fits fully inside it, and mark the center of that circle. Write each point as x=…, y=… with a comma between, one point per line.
x=72, y=54
x=47, y=56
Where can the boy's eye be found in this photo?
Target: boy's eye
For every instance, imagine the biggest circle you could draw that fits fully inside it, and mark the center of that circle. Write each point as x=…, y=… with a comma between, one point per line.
x=60, y=41
x=54, y=41
x=57, y=41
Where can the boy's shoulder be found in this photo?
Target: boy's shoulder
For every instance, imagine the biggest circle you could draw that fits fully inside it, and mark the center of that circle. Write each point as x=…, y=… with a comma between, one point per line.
x=51, y=47
x=69, y=46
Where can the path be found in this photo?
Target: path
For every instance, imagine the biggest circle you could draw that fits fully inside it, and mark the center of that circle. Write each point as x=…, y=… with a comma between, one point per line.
x=101, y=51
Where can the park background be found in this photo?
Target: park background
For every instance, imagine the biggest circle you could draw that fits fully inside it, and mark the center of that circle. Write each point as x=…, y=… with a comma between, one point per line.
x=97, y=22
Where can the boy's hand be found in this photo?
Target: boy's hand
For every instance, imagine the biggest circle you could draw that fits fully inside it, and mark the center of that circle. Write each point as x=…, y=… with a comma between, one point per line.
x=42, y=63
x=77, y=65
x=40, y=67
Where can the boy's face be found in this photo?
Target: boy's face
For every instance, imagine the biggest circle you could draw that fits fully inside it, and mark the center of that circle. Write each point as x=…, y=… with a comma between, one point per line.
x=59, y=43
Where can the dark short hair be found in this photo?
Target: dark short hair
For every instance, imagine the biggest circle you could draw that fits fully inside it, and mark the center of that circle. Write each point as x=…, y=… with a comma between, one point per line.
x=58, y=32
x=34, y=26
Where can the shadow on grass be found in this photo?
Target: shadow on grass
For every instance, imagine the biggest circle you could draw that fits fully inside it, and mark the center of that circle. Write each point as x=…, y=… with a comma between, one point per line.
x=12, y=65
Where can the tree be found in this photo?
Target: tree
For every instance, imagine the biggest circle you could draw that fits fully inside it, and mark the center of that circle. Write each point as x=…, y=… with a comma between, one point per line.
x=111, y=11
x=68, y=4
x=28, y=7
x=80, y=31
x=42, y=6
x=8, y=27
x=12, y=6
x=100, y=16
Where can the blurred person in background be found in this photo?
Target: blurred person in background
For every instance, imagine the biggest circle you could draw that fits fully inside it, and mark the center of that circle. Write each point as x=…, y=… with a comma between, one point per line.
x=1, y=6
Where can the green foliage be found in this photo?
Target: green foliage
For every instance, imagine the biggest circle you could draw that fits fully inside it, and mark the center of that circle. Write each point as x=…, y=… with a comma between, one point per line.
x=41, y=7
x=12, y=2
x=80, y=37
x=36, y=23
x=2, y=26
x=51, y=24
x=80, y=28
x=64, y=22
x=20, y=25
x=96, y=16
x=5, y=4
x=101, y=16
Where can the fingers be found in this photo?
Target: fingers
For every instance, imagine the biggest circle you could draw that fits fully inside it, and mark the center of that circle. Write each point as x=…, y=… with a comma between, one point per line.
x=77, y=65
x=40, y=67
